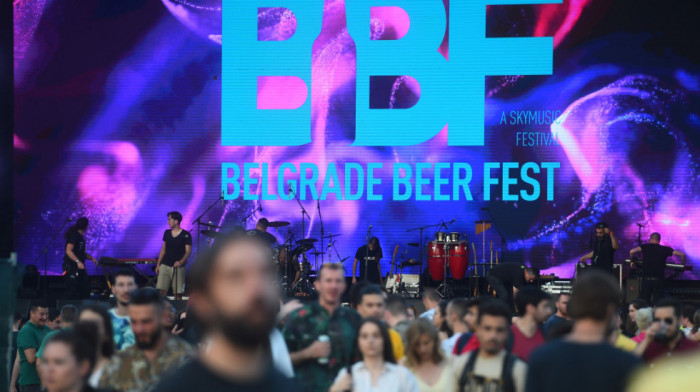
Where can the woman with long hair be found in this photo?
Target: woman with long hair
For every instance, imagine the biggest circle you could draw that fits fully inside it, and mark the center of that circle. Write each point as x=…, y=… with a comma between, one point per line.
x=68, y=359
x=425, y=359
x=376, y=369
x=440, y=321
x=96, y=313
x=74, y=258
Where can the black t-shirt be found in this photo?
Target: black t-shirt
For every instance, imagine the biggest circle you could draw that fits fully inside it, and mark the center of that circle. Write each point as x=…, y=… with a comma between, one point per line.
x=194, y=376
x=566, y=366
x=175, y=246
x=510, y=274
x=372, y=259
x=603, y=253
x=78, y=241
x=654, y=260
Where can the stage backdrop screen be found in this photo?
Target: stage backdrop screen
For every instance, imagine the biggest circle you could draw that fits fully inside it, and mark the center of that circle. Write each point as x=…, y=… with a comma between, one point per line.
x=349, y=118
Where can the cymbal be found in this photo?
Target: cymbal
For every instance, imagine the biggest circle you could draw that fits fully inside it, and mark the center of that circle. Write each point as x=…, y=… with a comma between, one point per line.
x=307, y=241
x=414, y=244
x=211, y=233
x=332, y=236
x=409, y=263
x=278, y=224
x=209, y=225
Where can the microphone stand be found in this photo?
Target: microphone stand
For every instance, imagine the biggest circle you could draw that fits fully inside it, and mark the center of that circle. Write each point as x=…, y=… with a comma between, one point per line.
x=45, y=252
x=198, y=221
x=323, y=250
x=244, y=221
x=498, y=230
x=303, y=212
x=420, y=254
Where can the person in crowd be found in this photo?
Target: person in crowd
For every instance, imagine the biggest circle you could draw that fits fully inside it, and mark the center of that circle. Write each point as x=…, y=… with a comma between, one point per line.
x=320, y=334
x=176, y=249
x=123, y=284
x=431, y=301
x=397, y=315
x=664, y=338
x=69, y=358
x=603, y=246
x=507, y=278
x=456, y=311
x=687, y=313
x=534, y=309
x=54, y=319
x=412, y=312
x=377, y=369
x=140, y=366
x=617, y=338
x=371, y=305
x=425, y=359
x=654, y=266
x=369, y=257
x=469, y=342
x=491, y=367
x=74, y=257
x=633, y=307
x=440, y=322
x=18, y=322
x=97, y=313
x=674, y=374
x=695, y=336
x=234, y=296
x=169, y=316
x=643, y=319
x=68, y=315
x=561, y=316
x=584, y=360
x=28, y=342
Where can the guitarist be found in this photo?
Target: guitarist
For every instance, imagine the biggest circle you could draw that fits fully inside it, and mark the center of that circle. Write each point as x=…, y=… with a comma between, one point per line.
x=369, y=256
x=74, y=261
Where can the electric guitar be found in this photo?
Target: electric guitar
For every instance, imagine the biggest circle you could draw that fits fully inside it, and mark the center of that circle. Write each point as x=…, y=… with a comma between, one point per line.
x=391, y=279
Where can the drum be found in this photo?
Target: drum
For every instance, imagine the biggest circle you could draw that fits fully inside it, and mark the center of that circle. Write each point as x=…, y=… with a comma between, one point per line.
x=459, y=259
x=436, y=260
x=453, y=237
x=441, y=236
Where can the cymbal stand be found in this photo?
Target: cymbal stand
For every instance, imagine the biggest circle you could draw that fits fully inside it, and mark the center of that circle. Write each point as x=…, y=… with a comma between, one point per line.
x=444, y=290
x=420, y=254
x=198, y=221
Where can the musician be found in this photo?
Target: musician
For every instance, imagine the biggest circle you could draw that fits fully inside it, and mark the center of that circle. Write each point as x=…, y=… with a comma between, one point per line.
x=604, y=246
x=74, y=260
x=288, y=266
x=369, y=257
x=176, y=249
x=654, y=257
x=262, y=226
x=507, y=278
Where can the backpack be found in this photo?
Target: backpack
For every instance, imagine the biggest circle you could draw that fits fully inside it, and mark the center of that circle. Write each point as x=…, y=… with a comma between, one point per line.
x=506, y=372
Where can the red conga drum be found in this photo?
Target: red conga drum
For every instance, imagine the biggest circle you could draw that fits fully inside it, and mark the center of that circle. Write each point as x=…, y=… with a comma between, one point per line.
x=436, y=260
x=459, y=259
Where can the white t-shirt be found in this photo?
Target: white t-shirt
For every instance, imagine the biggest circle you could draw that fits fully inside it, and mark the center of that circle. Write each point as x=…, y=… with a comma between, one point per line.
x=395, y=378
x=280, y=354
x=491, y=368
x=449, y=344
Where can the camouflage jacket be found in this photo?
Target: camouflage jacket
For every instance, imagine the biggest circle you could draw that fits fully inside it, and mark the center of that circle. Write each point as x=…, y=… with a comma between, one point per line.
x=304, y=326
x=131, y=371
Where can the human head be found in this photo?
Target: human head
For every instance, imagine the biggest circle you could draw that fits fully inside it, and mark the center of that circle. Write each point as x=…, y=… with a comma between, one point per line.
x=643, y=318
x=96, y=312
x=423, y=343
x=68, y=358
x=374, y=243
x=54, y=321
x=562, y=300
x=17, y=321
x=38, y=313
x=330, y=283
x=600, y=229
x=668, y=312
x=440, y=315
x=233, y=289
x=123, y=284
x=396, y=310
x=635, y=305
x=472, y=313
x=262, y=224
x=373, y=340
x=594, y=296
x=533, y=302
x=146, y=314
x=687, y=313
x=411, y=312
x=492, y=326
x=174, y=219
x=655, y=238
x=169, y=315
x=431, y=298
x=371, y=302
x=531, y=274
x=68, y=315
x=456, y=310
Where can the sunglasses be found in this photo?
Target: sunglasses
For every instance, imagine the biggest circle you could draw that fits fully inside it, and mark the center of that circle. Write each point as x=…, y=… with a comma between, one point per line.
x=667, y=320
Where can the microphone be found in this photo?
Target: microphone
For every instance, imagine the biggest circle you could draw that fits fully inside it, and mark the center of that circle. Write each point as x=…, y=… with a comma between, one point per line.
x=222, y=198
x=640, y=225
x=370, y=227
x=452, y=221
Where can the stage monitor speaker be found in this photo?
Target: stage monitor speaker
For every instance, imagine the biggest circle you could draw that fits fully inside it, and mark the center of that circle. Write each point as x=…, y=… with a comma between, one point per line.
x=633, y=289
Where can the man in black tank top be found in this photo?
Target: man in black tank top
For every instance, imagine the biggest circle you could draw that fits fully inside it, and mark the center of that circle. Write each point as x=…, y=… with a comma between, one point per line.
x=654, y=257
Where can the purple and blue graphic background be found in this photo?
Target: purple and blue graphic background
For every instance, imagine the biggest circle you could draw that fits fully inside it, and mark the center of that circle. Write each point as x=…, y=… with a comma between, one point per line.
x=118, y=108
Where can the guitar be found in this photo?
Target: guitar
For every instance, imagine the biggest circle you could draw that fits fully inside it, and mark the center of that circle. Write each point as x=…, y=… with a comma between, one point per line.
x=391, y=279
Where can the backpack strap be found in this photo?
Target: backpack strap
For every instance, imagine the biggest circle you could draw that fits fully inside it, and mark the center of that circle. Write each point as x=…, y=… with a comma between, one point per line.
x=507, y=372
x=468, y=368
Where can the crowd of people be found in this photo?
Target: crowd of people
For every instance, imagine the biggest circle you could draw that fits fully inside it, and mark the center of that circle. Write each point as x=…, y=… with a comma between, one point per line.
x=237, y=335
